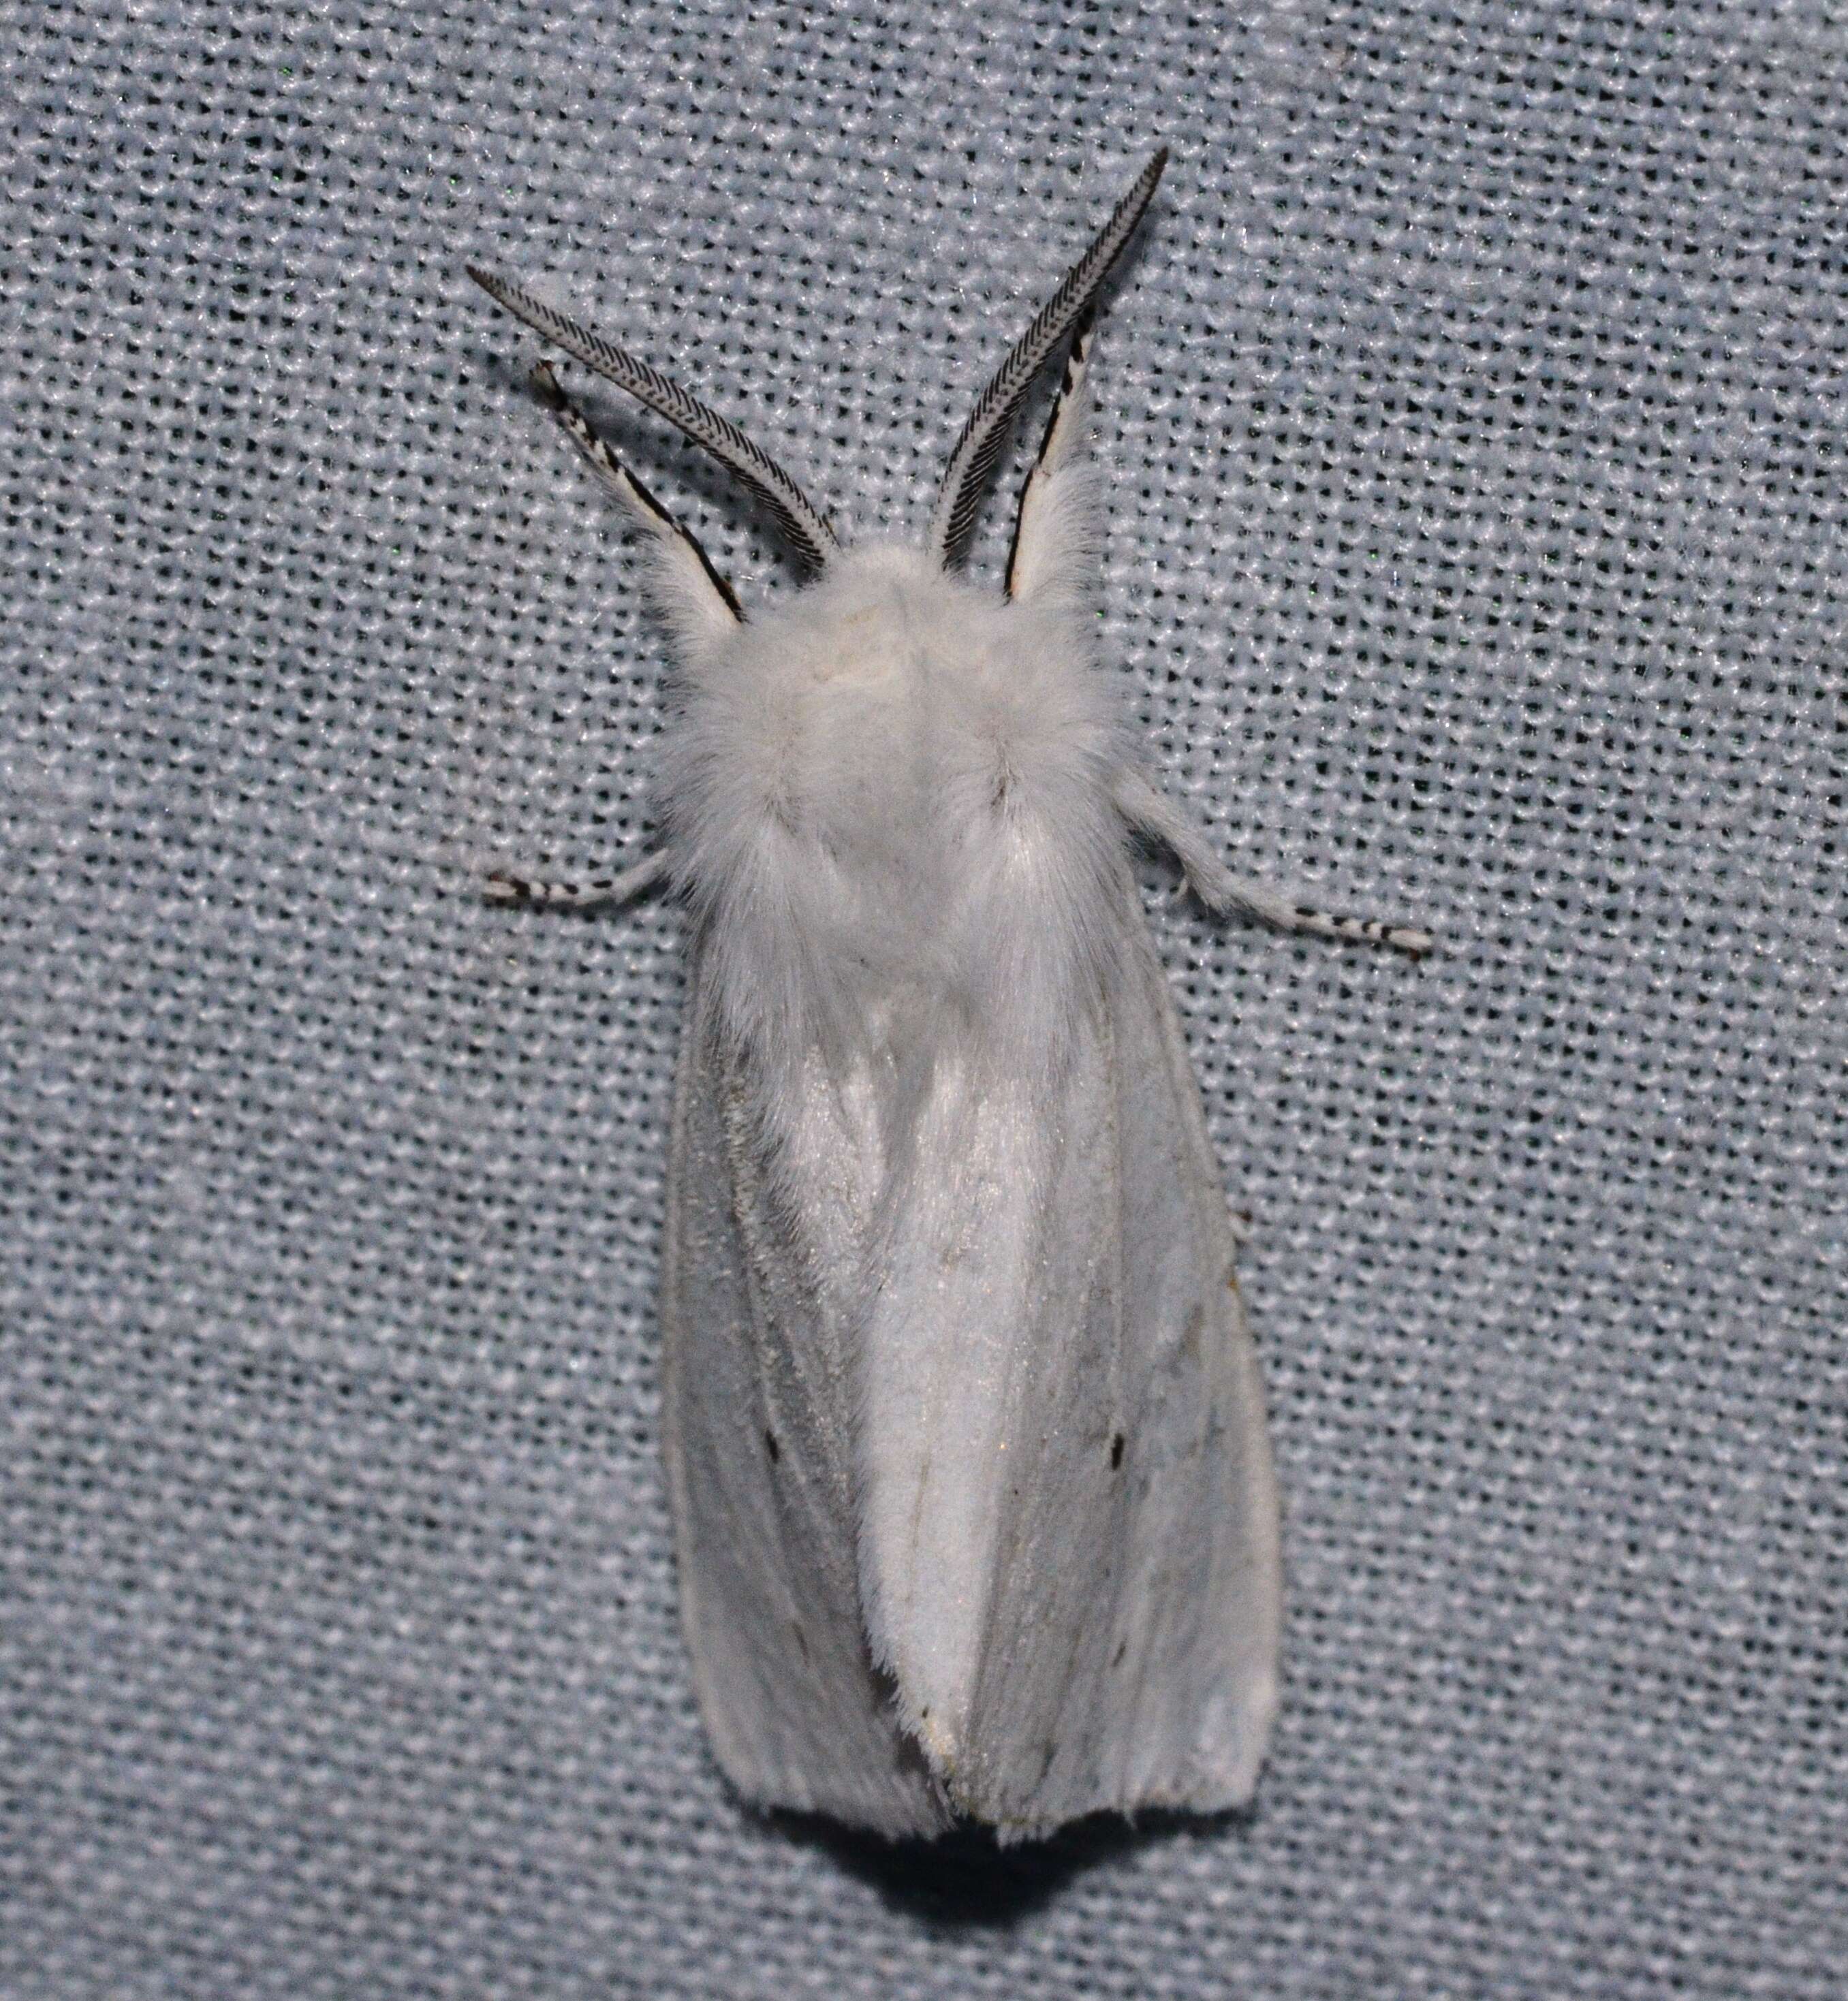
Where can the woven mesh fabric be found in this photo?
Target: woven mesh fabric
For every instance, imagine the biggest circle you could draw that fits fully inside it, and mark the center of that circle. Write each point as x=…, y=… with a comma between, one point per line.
x=1473, y=416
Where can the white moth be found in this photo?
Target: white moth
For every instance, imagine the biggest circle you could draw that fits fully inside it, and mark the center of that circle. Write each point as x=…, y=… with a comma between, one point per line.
x=974, y=1504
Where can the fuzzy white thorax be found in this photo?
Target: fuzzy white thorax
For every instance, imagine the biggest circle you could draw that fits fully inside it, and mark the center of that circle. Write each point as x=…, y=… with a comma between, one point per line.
x=889, y=800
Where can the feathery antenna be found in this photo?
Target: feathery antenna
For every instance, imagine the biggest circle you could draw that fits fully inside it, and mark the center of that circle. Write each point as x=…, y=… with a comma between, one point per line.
x=794, y=512
x=980, y=447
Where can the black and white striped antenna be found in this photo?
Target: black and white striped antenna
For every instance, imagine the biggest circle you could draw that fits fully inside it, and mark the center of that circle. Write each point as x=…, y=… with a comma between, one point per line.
x=977, y=450
x=805, y=524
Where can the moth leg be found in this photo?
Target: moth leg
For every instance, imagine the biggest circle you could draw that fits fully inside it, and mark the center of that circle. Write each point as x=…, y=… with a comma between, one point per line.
x=503, y=889
x=678, y=545
x=1036, y=526
x=1157, y=820
x=678, y=542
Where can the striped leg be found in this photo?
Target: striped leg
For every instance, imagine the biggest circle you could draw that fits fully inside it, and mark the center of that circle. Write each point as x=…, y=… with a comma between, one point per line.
x=1036, y=550
x=501, y=889
x=1155, y=817
x=665, y=526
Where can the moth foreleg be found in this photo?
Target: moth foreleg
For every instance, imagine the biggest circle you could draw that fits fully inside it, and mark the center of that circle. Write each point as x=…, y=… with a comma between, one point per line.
x=502, y=888
x=1158, y=820
x=1034, y=556
x=678, y=541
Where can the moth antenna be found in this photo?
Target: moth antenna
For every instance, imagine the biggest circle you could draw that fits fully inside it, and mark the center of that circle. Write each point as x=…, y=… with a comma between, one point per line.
x=800, y=520
x=979, y=447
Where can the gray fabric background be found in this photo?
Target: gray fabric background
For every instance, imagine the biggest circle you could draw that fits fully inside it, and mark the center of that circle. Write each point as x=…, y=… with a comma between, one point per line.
x=1472, y=412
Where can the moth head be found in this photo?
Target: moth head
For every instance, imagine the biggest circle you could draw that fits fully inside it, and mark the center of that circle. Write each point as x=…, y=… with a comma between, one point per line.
x=1064, y=318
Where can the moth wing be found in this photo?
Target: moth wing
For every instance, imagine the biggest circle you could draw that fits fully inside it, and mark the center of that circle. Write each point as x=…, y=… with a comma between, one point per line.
x=1129, y=1656
x=755, y=1395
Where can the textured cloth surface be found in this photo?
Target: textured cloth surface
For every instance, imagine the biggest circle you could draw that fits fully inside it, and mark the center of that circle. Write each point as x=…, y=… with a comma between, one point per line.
x=1472, y=411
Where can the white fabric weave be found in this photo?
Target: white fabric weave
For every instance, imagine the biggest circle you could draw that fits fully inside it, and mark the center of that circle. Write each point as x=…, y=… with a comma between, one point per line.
x=1473, y=413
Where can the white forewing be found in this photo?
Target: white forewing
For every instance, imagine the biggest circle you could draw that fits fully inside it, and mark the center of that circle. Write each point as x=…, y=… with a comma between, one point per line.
x=758, y=1394
x=1013, y=1551
x=1129, y=1654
